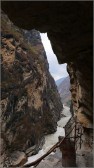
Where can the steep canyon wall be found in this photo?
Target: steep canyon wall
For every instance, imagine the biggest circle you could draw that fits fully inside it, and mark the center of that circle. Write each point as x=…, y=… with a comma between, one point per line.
x=69, y=26
x=30, y=101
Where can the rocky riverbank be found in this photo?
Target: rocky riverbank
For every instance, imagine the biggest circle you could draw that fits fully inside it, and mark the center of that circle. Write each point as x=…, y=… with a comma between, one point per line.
x=55, y=157
x=54, y=160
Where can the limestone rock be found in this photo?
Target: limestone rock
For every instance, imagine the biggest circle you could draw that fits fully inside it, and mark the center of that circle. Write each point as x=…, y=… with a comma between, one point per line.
x=69, y=26
x=70, y=29
x=30, y=101
x=81, y=91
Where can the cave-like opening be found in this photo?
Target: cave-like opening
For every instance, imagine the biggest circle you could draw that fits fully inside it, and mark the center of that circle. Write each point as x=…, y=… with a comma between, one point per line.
x=58, y=71
x=69, y=30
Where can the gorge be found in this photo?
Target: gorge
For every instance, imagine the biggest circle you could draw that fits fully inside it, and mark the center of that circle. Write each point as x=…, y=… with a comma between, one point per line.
x=30, y=101
x=69, y=26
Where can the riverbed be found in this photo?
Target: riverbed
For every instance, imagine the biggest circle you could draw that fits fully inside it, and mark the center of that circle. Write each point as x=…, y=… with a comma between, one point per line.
x=51, y=139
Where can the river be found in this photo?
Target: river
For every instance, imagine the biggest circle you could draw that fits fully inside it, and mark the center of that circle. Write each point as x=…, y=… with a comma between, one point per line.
x=51, y=139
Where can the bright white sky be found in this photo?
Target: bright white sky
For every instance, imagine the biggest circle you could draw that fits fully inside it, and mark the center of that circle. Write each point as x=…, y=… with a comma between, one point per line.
x=57, y=70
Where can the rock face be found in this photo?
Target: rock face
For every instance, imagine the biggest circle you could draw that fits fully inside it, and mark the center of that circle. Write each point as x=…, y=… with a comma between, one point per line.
x=81, y=86
x=64, y=91
x=30, y=101
x=69, y=26
x=70, y=29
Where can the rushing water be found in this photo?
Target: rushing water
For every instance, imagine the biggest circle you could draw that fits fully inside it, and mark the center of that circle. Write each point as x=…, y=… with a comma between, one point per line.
x=51, y=139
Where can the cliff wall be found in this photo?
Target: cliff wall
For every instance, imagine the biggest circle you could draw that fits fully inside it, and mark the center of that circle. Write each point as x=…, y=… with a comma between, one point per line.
x=30, y=101
x=69, y=26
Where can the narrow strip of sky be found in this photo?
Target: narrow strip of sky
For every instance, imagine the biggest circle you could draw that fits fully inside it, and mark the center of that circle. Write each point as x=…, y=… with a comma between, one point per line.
x=57, y=70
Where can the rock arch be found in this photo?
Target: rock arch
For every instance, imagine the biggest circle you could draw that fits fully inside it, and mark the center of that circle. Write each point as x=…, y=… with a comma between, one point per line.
x=69, y=26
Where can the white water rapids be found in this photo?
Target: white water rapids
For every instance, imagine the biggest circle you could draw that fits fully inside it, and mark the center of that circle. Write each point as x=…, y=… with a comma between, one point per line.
x=51, y=139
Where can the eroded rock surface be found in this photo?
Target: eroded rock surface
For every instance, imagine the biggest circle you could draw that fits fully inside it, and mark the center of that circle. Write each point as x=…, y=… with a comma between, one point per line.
x=81, y=89
x=69, y=26
x=30, y=101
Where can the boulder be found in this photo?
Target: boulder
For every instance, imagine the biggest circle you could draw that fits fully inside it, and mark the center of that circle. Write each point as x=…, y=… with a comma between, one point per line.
x=18, y=158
